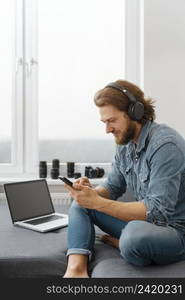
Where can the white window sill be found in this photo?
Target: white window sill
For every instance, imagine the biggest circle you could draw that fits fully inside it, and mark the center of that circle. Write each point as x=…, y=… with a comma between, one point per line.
x=55, y=185
x=49, y=180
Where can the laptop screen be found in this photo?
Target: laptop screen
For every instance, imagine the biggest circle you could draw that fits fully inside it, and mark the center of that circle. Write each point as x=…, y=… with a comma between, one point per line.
x=28, y=199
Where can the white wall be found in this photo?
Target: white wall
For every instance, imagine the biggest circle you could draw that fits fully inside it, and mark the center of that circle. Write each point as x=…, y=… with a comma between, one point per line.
x=164, y=59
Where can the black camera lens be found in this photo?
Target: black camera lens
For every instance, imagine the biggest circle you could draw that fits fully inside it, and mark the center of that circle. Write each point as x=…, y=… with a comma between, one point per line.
x=94, y=173
x=87, y=170
x=100, y=172
x=55, y=168
x=70, y=169
x=77, y=175
x=54, y=173
x=56, y=163
x=42, y=169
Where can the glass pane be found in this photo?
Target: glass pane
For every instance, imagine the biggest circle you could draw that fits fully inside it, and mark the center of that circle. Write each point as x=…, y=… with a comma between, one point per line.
x=6, y=70
x=6, y=46
x=81, y=49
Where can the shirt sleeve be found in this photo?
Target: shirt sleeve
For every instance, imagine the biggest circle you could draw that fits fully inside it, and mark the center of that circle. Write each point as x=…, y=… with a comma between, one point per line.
x=166, y=166
x=115, y=182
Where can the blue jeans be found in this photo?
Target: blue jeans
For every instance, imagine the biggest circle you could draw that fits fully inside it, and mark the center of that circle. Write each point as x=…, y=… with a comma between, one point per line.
x=140, y=242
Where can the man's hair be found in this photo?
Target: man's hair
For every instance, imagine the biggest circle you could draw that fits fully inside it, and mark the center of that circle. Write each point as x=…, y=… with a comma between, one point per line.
x=114, y=97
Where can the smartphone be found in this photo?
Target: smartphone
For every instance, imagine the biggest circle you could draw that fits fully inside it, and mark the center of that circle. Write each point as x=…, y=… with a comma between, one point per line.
x=67, y=181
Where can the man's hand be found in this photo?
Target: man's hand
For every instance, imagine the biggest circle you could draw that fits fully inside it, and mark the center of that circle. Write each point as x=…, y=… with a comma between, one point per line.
x=81, y=181
x=85, y=196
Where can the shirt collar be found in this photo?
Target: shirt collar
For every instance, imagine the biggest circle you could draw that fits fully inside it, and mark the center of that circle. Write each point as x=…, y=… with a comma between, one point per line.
x=143, y=137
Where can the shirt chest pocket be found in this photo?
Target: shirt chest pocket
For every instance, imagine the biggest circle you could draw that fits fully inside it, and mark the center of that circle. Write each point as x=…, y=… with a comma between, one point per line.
x=144, y=179
x=127, y=172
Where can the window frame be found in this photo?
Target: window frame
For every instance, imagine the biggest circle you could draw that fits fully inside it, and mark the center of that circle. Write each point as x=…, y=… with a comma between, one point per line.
x=16, y=164
x=25, y=79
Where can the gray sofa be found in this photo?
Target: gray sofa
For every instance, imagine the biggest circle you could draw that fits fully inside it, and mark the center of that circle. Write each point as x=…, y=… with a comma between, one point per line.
x=28, y=254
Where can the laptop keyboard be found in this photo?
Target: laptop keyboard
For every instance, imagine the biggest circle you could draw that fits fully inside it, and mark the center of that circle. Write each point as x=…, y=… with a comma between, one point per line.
x=44, y=220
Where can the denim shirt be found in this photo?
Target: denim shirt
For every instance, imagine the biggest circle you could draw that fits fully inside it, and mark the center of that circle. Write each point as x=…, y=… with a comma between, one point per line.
x=154, y=170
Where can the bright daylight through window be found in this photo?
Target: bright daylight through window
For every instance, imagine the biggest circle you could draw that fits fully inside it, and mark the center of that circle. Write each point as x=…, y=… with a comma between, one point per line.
x=6, y=79
x=54, y=57
x=80, y=51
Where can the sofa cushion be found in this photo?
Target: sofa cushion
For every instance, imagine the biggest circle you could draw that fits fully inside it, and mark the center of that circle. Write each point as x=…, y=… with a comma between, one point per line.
x=108, y=263
x=29, y=254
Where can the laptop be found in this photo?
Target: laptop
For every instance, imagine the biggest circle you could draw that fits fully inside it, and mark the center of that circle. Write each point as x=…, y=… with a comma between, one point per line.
x=31, y=206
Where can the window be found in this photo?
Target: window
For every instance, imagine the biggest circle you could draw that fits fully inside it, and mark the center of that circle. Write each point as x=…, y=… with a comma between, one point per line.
x=80, y=51
x=11, y=87
x=55, y=57
x=6, y=80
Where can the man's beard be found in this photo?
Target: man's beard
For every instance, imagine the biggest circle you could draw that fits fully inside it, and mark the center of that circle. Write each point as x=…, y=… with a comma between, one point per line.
x=126, y=136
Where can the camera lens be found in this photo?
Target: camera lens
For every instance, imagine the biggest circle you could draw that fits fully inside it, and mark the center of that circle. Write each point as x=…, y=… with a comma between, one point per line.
x=54, y=173
x=92, y=173
x=55, y=168
x=55, y=163
x=77, y=175
x=43, y=169
x=100, y=172
x=70, y=169
x=87, y=171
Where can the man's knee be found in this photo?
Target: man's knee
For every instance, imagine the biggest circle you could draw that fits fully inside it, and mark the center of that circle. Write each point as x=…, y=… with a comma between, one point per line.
x=75, y=207
x=133, y=241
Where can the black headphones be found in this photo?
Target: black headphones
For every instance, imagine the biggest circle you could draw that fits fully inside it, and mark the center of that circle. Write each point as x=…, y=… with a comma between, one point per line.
x=136, y=108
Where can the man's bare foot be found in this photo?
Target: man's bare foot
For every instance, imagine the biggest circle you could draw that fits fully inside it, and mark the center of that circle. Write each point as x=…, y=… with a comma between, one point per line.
x=110, y=240
x=75, y=274
x=77, y=266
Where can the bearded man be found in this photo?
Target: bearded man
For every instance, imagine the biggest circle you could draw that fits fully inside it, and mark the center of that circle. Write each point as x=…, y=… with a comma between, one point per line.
x=150, y=161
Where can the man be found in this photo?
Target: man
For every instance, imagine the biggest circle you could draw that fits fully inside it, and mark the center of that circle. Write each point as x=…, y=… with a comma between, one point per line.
x=150, y=160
